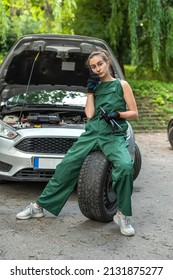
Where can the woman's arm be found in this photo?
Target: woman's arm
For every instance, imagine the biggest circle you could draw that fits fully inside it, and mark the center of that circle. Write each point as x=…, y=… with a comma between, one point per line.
x=89, y=107
x=132, y=112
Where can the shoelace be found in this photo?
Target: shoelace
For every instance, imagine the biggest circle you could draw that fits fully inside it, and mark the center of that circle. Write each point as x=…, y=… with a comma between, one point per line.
x=126, y=221
x=29, y=206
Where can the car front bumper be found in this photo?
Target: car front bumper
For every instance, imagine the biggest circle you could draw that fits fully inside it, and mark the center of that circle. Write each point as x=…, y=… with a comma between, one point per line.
x=19, y=161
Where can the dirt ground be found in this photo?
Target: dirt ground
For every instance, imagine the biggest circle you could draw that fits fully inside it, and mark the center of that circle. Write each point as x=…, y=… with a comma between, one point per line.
x=71, y=236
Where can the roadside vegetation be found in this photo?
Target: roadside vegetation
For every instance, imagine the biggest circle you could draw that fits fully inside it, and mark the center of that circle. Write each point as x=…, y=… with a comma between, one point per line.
x=154, y=99
x=155, y=104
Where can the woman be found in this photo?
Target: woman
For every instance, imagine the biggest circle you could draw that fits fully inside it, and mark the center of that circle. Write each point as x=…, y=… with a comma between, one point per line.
x=114, y=96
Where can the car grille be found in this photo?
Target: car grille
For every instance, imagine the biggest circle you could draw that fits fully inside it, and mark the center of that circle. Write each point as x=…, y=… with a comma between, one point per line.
x=5, y=167
x=29, y=174
x=46, y=145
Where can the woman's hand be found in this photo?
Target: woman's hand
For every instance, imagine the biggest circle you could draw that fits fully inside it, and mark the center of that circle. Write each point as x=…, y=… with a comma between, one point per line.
x=92, y=82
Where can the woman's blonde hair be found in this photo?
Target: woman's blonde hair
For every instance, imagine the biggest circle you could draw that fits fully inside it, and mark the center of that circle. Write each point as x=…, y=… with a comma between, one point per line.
x=103, y=53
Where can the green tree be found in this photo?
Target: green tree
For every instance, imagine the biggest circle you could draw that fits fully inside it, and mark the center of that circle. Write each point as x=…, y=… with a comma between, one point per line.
x=21, y=17
x=4, y=21
x=139, y=32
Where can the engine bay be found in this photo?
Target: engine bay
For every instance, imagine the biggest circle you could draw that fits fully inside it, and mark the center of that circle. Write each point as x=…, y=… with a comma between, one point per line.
x=38, y=120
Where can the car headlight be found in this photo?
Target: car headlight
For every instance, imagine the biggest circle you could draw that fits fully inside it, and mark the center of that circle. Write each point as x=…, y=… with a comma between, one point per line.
x=7, y=131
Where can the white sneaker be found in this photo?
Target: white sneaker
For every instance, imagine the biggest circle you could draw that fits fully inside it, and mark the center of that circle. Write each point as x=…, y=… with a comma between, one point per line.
x=124, y=223
x=30, y=212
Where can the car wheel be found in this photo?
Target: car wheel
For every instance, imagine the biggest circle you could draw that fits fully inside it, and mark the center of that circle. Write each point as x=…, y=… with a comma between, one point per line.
x=170, y=136
x=137, y=162
x=97, y=201
x=170, y=125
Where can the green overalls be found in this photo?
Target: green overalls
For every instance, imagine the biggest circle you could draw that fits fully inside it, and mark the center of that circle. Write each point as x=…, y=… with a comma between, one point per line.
x=98, y=136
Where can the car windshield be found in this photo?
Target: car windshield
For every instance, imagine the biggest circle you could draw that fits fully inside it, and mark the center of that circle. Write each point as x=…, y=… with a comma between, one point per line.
x=45, y=97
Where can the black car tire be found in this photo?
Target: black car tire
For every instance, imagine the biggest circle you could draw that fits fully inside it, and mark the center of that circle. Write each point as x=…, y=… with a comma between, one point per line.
x=97, y=201
x=170, y=136
x=170, y=125
x=137, y=162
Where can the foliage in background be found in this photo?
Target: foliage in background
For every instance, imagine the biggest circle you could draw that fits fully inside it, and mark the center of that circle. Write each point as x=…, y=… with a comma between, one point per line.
x=154, y=100
x=20, y=17
x=133, y=23
x=158, y=94
x=139, y=32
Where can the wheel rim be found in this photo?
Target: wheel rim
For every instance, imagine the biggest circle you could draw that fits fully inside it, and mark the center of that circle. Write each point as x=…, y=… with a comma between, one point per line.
x=109, y=194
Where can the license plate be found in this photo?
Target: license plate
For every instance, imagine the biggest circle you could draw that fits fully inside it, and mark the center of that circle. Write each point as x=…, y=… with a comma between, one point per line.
x=46, y=163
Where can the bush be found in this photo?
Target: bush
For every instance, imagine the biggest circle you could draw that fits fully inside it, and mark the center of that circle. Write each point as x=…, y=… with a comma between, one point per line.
x=145, y=73
x=154, y=100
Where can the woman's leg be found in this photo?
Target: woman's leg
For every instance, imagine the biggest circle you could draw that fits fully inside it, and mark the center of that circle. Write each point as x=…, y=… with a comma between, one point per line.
x=65, y=178
x=122, y=173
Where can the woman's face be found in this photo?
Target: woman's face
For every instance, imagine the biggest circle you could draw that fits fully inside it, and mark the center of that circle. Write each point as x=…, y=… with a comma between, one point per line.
x=99, y=66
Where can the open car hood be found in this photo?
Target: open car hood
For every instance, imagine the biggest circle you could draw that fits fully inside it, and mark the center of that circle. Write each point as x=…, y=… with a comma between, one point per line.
x=49, y=61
